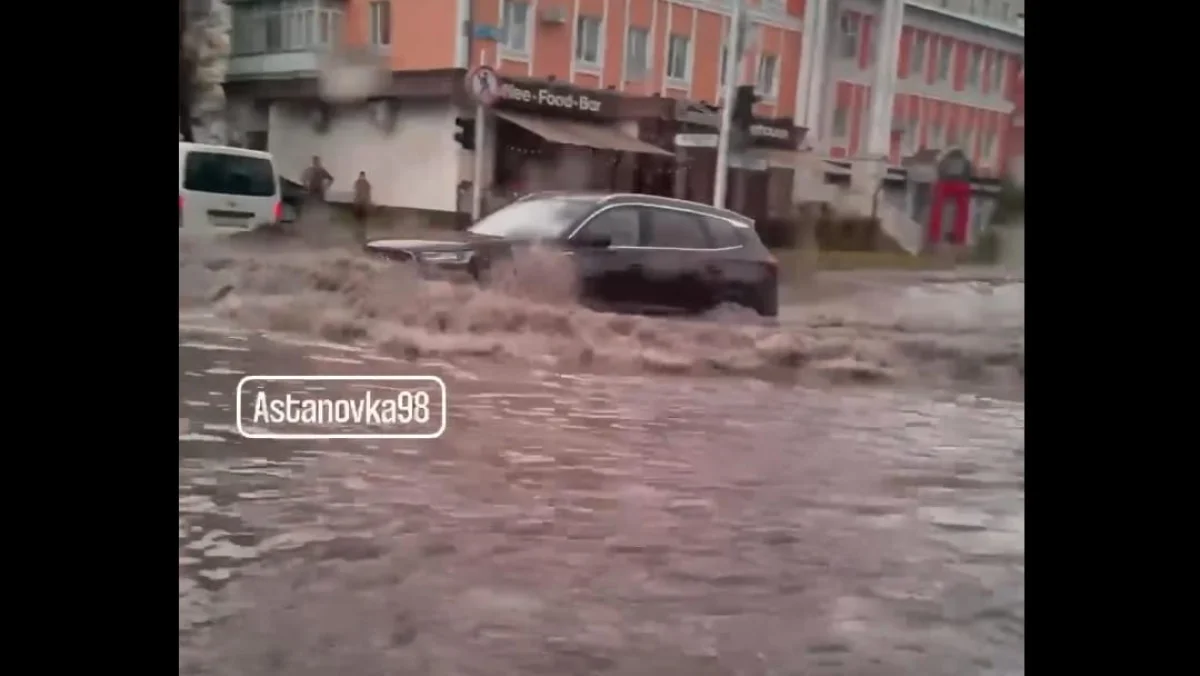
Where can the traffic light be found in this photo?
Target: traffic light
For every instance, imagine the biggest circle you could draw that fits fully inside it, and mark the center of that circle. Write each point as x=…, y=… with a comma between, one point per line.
x=465, y=136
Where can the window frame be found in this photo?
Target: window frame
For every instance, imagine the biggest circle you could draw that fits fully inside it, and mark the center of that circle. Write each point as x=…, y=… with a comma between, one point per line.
x=643, y=68
x=508, y=29
x=379, y=33
x=920, y=55
x=598, y=45
x=772, y=91
x=839, y=122
x=849, y=35
x=672, y=52
x=975, y=68
x=987, y=150
x=945, y=57
x=937, y=135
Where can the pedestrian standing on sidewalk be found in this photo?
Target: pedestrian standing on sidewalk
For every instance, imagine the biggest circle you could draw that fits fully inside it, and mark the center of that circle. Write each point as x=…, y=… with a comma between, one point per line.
x=362, y=206
x=316, y=180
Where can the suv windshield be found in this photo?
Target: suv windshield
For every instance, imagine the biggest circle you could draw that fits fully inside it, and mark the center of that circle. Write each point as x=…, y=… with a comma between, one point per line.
x=534, y=219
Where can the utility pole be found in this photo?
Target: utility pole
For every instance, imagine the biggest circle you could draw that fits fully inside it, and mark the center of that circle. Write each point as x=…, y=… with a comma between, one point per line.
x=480, y=146
x=733, y=61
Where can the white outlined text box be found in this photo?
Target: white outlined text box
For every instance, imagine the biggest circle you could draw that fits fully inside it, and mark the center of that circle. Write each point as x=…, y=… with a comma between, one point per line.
x=441, y=384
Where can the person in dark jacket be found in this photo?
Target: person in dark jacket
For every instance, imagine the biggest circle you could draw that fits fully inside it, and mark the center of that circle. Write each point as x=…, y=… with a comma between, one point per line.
x=362, y=204
x=316, y=180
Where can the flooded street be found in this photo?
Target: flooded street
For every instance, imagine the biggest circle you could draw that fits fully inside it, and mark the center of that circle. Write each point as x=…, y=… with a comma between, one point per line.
x=840, y=494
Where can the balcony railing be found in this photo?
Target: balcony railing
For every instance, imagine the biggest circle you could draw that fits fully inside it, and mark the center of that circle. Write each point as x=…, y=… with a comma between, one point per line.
x=285, y=26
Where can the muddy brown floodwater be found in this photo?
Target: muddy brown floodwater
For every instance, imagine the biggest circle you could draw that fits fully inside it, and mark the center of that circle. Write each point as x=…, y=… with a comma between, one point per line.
x=840, y=494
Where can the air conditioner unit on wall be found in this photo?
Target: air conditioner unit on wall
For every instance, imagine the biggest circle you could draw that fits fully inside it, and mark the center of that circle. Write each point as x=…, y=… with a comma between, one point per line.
x=555, y=14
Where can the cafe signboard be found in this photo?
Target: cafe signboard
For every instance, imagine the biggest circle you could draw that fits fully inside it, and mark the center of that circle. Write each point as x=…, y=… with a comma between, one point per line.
x=555, y=99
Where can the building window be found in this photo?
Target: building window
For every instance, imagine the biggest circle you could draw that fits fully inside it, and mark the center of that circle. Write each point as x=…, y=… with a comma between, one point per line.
x=975, y=68
x=937, y=137
x=284, y=26
x=587, y=40
x=998, y=73
x=918, y=60
x=381, y=23
x=848, y=36
x=514, y=34
x=273, y=27
x=1005, y=11
x=911, y=136
x=677, y=58
x=841, y=117
x=637, y=54
x=988, y=148
x=768, y=76
x=944, y=51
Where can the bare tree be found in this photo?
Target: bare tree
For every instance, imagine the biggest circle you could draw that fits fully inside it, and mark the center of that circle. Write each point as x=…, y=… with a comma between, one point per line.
x=186, y=70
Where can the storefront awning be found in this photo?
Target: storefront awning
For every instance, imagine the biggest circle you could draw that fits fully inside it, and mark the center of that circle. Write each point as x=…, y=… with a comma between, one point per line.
x=572, y=133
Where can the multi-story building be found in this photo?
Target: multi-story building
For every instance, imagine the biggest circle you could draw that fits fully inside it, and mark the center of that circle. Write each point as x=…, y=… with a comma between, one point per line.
x=641, y=60
x=916, y=88
x=951, y=77
x=868, y=82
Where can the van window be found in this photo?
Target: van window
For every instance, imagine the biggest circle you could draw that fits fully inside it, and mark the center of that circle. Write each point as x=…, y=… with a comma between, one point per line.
x=228, y=174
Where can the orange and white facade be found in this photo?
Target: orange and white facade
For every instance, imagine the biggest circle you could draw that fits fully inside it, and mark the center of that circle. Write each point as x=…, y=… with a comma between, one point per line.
x=940, y=75
x=937, y=74
x=669, y=48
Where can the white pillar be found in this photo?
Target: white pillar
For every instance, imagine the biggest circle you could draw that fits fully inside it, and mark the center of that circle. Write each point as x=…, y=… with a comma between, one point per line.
x=800, y=117
x=884, y=89
x=814, y=86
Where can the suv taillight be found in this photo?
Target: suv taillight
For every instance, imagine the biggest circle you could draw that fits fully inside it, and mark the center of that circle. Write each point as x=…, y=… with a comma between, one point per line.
x=181, y=211
x=278, y=212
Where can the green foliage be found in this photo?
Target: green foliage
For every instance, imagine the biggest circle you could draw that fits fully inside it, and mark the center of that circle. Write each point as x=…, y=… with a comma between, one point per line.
x=1010, y=203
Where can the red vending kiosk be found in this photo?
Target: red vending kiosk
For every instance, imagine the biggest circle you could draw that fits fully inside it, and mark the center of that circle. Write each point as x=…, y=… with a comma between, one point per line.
x=942, y=194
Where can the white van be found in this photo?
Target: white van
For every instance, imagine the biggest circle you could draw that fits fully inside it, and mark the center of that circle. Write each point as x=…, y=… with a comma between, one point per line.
x=225, y=190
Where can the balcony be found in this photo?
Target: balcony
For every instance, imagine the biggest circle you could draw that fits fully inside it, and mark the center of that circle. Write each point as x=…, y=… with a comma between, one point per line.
x=283, y=38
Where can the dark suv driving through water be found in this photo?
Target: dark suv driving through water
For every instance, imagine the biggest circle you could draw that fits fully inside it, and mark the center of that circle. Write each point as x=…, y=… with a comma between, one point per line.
x=634, y=253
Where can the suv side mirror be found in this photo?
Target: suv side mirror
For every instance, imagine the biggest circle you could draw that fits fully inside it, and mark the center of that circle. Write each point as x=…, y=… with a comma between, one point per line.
x=595, y=241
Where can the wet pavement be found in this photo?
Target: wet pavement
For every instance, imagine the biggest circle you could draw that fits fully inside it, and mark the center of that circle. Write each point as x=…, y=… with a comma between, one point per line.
x=573, y=522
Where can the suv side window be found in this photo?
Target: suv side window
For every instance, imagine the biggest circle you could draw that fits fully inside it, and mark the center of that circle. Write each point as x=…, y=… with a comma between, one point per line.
x=724, y=235
x=619, y=224
x=673, y=229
